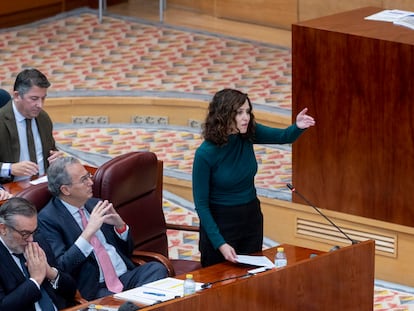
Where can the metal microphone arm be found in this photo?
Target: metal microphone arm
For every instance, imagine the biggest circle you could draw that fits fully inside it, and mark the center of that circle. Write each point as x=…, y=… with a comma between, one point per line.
x=290, y=186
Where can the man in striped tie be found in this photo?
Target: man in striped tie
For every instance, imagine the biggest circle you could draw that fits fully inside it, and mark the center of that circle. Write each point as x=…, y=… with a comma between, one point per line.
x=90, y=240
x=29, y=280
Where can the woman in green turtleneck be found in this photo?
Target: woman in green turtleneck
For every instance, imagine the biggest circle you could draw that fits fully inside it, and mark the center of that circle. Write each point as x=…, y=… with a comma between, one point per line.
x=224, y=168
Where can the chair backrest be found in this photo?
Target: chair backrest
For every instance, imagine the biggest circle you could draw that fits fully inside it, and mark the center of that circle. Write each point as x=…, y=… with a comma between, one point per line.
x=38, y=194
x=4, y=97
x=133, y=183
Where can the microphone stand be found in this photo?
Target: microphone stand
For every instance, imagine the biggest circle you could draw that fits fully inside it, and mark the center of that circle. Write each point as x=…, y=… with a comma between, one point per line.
x=209, y=284
x=290, y=186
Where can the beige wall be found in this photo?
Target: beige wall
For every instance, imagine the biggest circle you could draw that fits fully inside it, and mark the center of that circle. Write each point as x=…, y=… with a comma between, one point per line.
x=282, y=13
x=309, y=9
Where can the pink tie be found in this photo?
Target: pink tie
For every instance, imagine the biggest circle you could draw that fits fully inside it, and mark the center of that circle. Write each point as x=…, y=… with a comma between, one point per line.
x=111, y=279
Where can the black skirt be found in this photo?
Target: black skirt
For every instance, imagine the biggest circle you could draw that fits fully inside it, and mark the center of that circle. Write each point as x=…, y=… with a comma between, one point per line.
x=241, y=227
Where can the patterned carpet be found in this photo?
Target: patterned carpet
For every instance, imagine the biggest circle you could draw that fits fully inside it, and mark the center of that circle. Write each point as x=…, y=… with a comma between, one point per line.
x=127, y=56
x=79, y=55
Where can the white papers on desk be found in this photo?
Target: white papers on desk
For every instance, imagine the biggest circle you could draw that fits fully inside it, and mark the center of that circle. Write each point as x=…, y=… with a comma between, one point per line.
x=260, y=261
x=155, y=292
x=39, y=180
x=397, y=17
x=406, y=21
x=388, y=15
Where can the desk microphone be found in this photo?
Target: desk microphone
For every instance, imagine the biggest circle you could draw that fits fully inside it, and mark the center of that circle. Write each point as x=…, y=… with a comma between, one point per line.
x=128, y=306
x=290, y=186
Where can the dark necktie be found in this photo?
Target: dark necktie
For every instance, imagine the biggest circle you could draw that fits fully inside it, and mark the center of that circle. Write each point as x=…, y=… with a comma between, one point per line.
x=30, y=141
x=45, y=303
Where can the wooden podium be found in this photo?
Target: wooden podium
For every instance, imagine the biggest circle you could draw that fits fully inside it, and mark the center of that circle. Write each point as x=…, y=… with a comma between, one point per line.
x=355, y=76
x=312, y=280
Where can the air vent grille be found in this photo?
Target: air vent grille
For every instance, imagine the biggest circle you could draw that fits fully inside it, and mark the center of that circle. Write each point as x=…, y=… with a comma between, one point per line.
x=384, y=244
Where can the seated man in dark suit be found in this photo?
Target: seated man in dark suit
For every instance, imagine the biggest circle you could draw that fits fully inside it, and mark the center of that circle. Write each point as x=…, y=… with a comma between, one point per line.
x=28, y=279
x=27, y=144
x=78, y=226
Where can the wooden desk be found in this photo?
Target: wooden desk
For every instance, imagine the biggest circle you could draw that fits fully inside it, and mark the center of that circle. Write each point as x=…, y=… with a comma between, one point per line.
x=343, y=279
x=355, y=76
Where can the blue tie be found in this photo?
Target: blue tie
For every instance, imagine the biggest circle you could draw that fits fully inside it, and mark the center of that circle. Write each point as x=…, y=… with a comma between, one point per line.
x=45, y=303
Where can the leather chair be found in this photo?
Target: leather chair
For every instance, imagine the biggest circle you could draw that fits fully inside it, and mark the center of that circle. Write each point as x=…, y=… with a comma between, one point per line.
x=133, y=183
x=5, y=97
x=38, y=194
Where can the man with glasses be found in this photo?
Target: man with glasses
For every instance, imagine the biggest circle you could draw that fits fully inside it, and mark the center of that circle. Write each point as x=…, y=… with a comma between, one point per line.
x=28, y=277
x=89, y=238
x=27, y=144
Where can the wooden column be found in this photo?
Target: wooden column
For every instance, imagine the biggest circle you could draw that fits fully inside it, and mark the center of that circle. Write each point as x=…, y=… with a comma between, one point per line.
x=356, y=78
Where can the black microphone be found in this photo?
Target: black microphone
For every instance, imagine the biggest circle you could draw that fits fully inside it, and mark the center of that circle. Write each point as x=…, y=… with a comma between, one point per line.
x=290, y=186
x=128, y=306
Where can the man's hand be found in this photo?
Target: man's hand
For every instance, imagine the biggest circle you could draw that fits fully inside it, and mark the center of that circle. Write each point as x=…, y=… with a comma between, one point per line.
x=54, y=154
x=36, y=262
x=24, y=168
x=4, y=195
x=113, y=217
x=103, y=212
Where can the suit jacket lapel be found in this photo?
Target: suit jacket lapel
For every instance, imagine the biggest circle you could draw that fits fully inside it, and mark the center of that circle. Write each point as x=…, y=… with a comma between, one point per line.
x=10, y=122
x=9, y=266
x=67, y=219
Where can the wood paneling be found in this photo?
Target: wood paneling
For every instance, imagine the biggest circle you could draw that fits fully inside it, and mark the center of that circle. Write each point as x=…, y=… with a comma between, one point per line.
x=26, y=11
x=398, y=4
x=278, y=13
x=355, y=76
x=309, y=9
x=22, y=12
x=281, y=13
x=204, y=6
x=8, y=7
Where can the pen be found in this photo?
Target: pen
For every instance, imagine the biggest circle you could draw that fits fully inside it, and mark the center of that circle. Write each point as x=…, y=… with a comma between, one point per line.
x=155, y=294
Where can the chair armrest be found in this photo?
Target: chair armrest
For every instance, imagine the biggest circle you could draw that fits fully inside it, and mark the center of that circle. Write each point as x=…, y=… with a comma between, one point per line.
x=79, y=299
x=140, y=257
x=183, y=227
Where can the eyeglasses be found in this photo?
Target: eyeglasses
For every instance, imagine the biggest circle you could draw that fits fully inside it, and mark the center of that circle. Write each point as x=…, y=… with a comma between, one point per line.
x=24, y=233
x=84, y=179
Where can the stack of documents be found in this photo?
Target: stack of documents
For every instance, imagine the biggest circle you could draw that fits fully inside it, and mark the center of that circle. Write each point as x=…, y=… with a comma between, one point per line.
x=155, y=292
x=398, y=17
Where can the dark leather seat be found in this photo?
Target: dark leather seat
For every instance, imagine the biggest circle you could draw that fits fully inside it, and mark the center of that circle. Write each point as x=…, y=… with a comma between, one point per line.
x=133, y=183
x=4, y=97
x=38, y=194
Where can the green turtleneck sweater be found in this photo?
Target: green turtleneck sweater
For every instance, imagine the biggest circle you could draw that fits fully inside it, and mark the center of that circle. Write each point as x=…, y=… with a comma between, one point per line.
x=225, y=174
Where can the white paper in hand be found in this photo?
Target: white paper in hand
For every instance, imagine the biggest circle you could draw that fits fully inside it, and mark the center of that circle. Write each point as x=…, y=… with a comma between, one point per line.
x=260, y=261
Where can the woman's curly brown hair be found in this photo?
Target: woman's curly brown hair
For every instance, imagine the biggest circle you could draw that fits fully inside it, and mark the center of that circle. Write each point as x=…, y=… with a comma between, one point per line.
x=221, y=116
